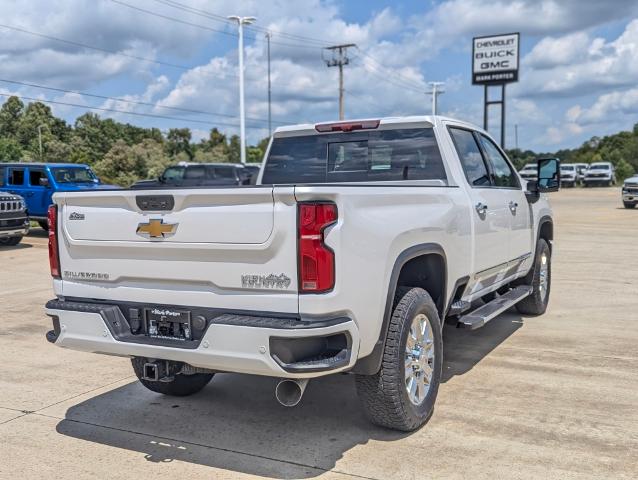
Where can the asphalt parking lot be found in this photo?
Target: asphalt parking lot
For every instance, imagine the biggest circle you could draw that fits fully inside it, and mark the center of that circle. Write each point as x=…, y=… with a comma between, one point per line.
x=548, y=397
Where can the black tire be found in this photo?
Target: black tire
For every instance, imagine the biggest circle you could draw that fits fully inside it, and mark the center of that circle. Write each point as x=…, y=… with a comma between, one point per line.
x=44, y=225
x=180, y=386
x=10, y=241
x=629, y=205
x=384, y=395
x=537, y=302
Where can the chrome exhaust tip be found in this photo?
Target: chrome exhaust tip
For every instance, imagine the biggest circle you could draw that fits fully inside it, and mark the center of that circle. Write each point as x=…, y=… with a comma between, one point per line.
x=289, y=391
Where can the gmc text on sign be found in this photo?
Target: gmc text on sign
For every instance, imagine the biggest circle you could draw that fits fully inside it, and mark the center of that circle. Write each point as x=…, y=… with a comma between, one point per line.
x=495, y=59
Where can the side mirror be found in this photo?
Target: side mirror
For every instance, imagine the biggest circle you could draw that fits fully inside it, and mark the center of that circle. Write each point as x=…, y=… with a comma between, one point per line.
x=548, y=175
x=44, y=182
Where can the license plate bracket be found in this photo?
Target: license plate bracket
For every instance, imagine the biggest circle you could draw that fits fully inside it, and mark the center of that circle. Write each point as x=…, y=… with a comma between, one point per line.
x=168, y=323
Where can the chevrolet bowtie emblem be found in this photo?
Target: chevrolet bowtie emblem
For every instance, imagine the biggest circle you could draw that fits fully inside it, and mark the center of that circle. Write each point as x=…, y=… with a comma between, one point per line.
x=156, y=228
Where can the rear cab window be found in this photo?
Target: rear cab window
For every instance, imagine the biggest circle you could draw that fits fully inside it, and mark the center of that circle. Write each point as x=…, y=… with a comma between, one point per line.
x=16, y=176
x=360, y=156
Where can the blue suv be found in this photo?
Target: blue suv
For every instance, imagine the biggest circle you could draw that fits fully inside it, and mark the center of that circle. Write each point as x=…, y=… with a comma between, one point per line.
x=37, y=182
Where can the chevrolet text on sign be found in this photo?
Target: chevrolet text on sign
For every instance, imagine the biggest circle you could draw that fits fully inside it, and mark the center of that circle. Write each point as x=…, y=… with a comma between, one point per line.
x=495, y=59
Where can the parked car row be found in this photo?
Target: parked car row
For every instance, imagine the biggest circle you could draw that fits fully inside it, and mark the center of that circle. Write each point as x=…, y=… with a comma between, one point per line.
x=202, y=175
x=572, y=174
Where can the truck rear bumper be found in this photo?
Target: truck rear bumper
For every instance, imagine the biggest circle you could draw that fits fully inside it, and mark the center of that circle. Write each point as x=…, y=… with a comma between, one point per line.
x=237, y=343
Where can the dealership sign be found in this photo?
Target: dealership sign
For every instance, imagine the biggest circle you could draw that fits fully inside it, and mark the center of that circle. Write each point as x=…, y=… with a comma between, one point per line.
x=495, y=59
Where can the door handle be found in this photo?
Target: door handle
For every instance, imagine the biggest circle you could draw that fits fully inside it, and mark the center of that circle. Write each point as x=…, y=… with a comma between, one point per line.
x=481, y=208
x=513, y=206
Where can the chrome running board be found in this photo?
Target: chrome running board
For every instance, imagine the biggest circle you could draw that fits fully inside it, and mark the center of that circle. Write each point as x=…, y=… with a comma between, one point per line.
x=479, y=317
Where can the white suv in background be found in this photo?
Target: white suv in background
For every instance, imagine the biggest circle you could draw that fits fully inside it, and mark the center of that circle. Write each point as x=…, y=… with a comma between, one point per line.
x=630, y=192
x=529, y=172
x=568, y=175
x=600, y=173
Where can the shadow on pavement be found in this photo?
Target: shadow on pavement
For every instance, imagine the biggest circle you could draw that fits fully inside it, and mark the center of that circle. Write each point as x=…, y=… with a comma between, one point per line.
x=236, y=424
x=19, y=246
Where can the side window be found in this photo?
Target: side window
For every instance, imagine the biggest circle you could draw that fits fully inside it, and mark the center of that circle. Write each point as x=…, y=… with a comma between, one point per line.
x=2, y=172
x=471, y=157
x=35, y=176
x=195, y=172
x=225, y=172
x=502, y=173
x=16, y=176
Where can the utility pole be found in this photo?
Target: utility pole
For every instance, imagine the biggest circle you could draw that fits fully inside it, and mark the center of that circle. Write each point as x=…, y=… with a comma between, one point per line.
x=435, y=92
x=516, y=135
x=241, y=21
x=268, y=34
x=339, y=59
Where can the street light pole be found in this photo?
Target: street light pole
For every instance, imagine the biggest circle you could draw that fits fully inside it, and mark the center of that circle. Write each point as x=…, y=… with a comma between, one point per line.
x=269, y=90
x=241, y=21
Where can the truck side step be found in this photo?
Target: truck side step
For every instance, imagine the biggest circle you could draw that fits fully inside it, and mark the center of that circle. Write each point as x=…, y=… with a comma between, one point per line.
x=479, y=317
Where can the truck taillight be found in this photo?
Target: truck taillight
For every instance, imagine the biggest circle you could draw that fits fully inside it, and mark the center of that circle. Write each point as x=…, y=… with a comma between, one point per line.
x=54, y=252
x=316, y=260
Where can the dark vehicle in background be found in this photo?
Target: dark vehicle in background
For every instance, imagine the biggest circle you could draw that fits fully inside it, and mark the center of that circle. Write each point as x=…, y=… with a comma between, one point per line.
x=199, y=175
x=253, y=169
x=14, y=222
x=37, y=182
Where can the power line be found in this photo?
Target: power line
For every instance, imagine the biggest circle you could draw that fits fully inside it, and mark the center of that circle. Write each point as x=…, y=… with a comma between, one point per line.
x=220, y=18
x=379, y=64
x=92, y=47
x=135, y=102
x=203, y=27
x=125, y=112
x=387, y=77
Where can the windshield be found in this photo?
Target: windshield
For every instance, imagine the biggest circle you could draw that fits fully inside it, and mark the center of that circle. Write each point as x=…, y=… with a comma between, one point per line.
x=74, y=175
x=568, y=168
x=599, y=167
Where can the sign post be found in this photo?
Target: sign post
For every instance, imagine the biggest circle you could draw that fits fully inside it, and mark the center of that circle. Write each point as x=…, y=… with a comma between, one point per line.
x=495, y=63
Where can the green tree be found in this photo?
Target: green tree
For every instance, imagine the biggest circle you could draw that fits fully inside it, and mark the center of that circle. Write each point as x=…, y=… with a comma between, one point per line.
x=10, y=150
x=234, y=149
x=179, y=140
x=10, y=115
x=623, y=170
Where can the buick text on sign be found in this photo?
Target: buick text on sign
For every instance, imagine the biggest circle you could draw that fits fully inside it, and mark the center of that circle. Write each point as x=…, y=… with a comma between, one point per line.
x=495, y=59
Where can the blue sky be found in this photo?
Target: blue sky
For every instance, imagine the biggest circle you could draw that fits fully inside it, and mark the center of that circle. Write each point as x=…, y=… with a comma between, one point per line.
x=578, y=61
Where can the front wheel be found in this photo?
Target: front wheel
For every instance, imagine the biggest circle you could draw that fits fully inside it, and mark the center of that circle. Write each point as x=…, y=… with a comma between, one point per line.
x=10, y=241
x=44, y=225
x=180, y=386
x=540, y=278
x=401, y=394
x=629, y=205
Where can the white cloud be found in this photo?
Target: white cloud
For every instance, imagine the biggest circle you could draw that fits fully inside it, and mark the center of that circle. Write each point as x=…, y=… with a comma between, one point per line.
x=576, y=64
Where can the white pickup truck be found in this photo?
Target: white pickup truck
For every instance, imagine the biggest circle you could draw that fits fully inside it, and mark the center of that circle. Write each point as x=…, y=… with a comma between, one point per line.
x=358, y=241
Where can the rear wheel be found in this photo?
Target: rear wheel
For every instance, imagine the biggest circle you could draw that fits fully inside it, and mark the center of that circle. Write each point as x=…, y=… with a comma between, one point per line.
x=181, y=385
x=540, y=278
x=10, y=241
x=401, y=394
x=44, y=225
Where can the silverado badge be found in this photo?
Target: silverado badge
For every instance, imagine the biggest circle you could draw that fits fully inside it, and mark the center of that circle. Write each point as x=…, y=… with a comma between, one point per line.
x=156, y=228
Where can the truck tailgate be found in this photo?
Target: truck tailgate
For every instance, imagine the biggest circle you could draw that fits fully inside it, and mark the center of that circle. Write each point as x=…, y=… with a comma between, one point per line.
x=229, y=248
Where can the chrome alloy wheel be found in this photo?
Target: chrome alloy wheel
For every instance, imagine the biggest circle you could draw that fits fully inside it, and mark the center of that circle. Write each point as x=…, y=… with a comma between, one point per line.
x=543, y=283
x=419, y=359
